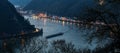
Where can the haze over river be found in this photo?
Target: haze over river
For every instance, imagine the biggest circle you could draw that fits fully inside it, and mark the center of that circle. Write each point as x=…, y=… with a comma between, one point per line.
x=75, y=33
x=72, y=32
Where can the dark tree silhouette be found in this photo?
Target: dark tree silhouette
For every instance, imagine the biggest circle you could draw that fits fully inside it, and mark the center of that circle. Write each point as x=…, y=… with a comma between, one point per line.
x=110, y=16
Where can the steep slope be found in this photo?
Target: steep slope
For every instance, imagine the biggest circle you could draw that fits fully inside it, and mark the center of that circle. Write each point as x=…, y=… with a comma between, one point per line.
x=11, y=22
x=60, y=7
x=20, y=2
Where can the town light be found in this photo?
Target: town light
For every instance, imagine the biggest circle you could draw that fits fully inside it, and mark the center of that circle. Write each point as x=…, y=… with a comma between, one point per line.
x=36, y=30
x=101, y=2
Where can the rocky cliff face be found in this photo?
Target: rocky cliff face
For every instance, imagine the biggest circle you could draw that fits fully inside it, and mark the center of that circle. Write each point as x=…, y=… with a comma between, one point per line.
x=11, y=22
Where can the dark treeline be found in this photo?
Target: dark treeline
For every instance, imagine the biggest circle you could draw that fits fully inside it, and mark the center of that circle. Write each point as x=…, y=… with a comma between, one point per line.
x=109, y=13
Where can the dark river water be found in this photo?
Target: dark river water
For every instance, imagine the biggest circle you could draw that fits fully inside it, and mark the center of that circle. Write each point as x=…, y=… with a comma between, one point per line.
x=73, y=33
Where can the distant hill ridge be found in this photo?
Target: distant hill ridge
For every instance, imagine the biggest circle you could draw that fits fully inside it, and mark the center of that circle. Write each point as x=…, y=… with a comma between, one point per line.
x=20, y=2
x=60, y=7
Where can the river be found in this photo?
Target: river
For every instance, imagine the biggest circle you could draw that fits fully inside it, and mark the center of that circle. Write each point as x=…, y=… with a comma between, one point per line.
x=72, y=32
x=75, y=33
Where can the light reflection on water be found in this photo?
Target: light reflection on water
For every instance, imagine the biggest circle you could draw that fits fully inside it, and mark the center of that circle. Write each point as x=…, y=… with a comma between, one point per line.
x=73, y=33
x=63, y=23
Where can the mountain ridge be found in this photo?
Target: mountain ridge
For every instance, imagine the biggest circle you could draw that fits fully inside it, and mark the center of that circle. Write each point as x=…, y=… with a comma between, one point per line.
x=59, y=7
x=11, y=21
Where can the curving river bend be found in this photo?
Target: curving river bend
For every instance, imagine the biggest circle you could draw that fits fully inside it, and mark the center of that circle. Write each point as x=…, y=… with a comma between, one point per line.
x=72, y=32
